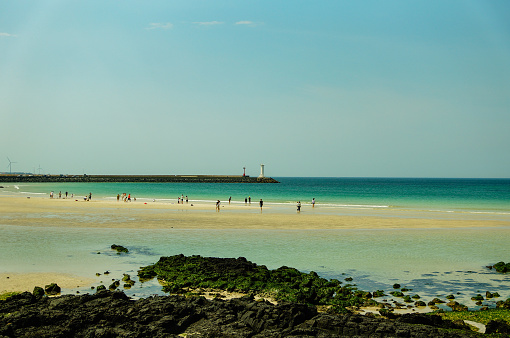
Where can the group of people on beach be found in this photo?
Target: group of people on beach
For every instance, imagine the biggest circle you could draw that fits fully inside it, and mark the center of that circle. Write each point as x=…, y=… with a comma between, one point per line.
x=180, y=199
x=66, y=195
x=299, y=204
x=246, y=201
x=125, y=197
x=60, y=194
x=261, y=203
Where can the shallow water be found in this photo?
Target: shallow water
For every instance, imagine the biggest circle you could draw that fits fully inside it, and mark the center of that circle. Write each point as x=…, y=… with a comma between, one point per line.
x=432, y=262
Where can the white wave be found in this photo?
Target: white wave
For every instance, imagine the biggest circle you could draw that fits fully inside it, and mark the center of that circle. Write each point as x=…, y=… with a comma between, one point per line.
x=353, y=206
x=490, y=212
x=470, y=212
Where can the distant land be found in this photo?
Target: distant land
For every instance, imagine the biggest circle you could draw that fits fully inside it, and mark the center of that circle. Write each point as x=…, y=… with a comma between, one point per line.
x=136, y=178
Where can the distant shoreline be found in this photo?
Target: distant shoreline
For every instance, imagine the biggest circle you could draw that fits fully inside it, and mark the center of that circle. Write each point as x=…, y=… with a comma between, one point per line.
x=12, y=178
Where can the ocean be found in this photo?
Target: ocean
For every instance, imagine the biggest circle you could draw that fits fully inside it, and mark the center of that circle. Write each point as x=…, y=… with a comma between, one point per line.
x=432, y=262
x=435, y=195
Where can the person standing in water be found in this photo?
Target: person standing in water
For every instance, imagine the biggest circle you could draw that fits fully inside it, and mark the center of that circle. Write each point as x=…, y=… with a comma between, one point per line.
x=299, y=206
x=261, y=203
x=313, y=202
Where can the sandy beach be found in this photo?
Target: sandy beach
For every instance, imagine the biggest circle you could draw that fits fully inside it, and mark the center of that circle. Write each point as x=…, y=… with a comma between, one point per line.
x=46, y=212
x=10, y=282
x=77, y=213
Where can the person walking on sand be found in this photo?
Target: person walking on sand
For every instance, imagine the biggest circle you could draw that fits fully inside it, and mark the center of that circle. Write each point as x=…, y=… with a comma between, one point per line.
x=51, y=194
x=249, y=199
x=90, y=196
x=218, y=205
x=313, y=202
x=129, y=198
x=299, y=206
x=66, y=194
x=245, y=200
x=118, y=197
x=229, y=199
x=60, y=194
x=261, y=203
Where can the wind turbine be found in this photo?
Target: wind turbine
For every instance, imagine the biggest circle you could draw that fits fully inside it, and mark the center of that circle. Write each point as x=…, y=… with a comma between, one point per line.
x=10, y=165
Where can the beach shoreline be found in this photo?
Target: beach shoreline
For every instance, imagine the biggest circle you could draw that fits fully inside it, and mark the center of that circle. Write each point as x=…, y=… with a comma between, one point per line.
x=46, y=212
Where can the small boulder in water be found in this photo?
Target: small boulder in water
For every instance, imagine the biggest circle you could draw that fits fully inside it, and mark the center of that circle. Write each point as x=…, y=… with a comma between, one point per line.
x=119, y=248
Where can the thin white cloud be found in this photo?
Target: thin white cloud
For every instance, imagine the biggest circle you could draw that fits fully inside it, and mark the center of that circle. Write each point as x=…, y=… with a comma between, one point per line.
x=7, y=35
x=159, y=25
x=208, y=23
x=248, y=23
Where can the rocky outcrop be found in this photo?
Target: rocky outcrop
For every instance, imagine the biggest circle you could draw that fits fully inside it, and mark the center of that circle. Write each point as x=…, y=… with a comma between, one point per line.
x=179, y=274
x=497, y=326
x=113, y=314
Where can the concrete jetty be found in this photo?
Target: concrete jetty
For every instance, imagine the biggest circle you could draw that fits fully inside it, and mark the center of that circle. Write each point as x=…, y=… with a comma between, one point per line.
x=136, y=178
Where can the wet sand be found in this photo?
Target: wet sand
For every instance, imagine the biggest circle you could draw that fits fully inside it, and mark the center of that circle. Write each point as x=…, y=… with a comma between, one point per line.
x=18, y=282
x=158, y=215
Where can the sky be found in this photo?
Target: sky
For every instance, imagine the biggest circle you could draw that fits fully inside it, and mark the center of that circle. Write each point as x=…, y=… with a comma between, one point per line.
x=308, y=88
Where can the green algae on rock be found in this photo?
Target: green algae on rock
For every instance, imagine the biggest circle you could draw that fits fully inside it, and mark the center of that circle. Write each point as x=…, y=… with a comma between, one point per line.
x=119, y=248
x=502, y=267
x=180, y=273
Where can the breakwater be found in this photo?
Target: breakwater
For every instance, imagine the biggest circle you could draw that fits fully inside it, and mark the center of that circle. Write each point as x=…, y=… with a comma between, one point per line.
x=137, y=178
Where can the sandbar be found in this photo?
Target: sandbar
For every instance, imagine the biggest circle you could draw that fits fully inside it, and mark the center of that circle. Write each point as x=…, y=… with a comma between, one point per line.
x=104, y=213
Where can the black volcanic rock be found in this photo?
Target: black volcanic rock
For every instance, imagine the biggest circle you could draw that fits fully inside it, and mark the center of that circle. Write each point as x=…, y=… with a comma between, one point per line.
x=113, y=314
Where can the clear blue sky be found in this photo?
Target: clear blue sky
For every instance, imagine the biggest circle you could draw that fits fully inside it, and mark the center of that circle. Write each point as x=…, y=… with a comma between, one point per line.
x=309, y=88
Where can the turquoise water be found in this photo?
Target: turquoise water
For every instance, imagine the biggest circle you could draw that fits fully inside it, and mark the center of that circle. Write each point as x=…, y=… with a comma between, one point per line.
x=430, y=194
x=430, y=261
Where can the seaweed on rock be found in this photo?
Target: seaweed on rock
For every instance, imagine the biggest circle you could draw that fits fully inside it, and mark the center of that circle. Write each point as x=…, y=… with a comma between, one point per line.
x=502, y=267
x=180, y=273
x=119, y=248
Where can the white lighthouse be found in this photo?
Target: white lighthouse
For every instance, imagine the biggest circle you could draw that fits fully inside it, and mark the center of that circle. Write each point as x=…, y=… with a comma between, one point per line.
x=261, y=171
